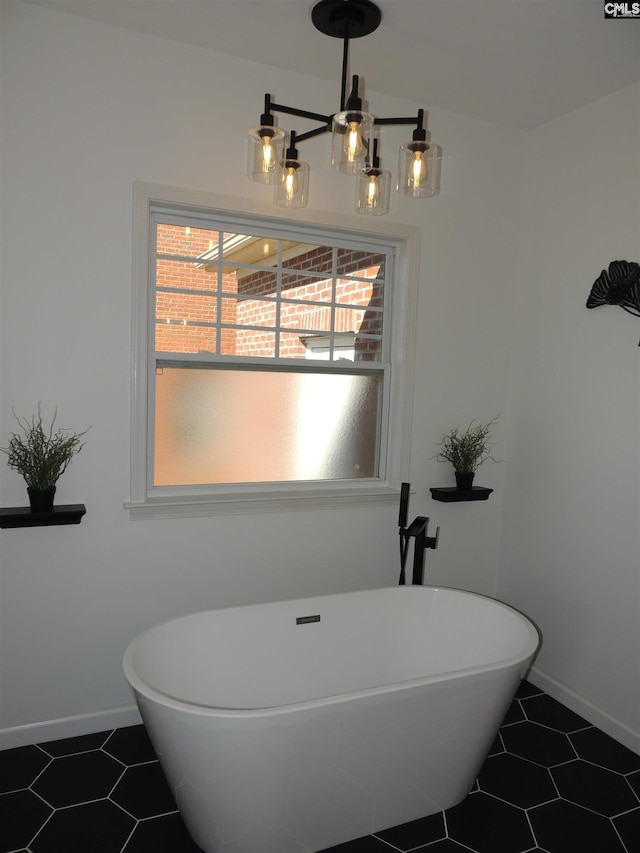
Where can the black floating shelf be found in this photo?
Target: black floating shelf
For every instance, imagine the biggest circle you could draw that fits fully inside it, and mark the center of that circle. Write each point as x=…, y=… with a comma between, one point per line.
x=21, y=516
x=449, y=494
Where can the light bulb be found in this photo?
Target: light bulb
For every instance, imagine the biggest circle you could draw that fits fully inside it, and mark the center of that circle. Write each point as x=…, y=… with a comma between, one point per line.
x=354, y=141
x=291, y=182
x=420, y=171
x=373, y=191
x=267, y=153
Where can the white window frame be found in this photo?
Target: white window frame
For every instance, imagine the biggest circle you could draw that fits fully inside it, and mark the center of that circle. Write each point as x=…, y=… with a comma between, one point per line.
x=146, y=502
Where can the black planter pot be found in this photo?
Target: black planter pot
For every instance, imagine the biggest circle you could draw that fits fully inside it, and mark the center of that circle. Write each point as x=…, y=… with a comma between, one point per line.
x=464, y=480
x=41, y=500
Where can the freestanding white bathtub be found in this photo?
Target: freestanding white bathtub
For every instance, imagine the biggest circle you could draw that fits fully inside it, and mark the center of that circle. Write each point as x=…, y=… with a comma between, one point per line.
x=294, y=726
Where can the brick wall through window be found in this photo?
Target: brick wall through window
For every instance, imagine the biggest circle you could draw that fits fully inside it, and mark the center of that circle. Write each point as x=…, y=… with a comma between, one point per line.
x=189, y=299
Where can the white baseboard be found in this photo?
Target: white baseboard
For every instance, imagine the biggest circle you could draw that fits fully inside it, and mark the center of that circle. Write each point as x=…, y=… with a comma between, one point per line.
x=596, y=716
x=83, y=724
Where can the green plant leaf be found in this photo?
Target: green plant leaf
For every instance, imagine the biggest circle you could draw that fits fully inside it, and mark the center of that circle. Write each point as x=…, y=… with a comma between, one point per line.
x=467, y=450
x=41, y=455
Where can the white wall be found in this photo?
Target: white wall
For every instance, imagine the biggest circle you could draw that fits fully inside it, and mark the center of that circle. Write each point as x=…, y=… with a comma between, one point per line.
x=88, y=109
x=571, y=555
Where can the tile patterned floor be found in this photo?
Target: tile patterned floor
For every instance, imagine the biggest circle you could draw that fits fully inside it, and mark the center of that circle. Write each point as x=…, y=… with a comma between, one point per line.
x=552, y=783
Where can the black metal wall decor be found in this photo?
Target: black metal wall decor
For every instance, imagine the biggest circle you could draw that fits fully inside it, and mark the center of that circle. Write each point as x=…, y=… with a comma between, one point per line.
x=619, y=285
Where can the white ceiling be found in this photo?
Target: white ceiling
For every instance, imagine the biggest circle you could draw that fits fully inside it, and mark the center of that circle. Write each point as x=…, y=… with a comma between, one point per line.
x=519, y=63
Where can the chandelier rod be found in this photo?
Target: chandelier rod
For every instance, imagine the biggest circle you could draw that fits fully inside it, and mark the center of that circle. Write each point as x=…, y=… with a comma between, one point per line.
x=345, y=63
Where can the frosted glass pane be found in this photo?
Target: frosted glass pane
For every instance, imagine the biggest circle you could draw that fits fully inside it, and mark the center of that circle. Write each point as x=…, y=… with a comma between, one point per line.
x=252, y=426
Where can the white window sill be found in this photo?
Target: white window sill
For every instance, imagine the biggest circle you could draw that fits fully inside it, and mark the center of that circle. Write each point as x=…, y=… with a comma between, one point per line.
x=200, y=506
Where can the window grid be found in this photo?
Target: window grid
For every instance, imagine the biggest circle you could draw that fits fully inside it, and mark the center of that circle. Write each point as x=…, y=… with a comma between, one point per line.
x=341, y=271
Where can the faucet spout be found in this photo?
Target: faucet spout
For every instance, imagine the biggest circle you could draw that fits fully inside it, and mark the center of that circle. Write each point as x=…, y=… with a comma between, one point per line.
x=417, y=527
x=416, y=530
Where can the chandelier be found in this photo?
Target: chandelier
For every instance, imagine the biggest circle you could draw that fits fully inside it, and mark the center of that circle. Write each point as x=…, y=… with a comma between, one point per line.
x=273, y=155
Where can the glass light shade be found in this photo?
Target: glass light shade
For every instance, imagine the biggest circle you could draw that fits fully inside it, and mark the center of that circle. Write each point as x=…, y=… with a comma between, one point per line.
x=374, y=189
x=419, y=169
x=265, y=150
x=350, y=139
x=292, y=189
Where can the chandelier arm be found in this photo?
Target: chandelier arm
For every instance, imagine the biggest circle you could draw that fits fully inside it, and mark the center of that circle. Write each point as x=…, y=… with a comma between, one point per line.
x=325, y=128
x=294, y=111
x=399, y=120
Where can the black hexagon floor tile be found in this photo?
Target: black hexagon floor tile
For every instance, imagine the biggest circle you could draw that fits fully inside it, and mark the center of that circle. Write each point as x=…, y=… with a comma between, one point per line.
x=490, y=825
x=130, y=745
x=595, y=788
x=537, y=743
x=562, y=826
x=143, y=791
x=100, y=827
x=596, y=746
x=78, y=778
x=551, y=784
x=548, y=712
x=23, y=814
x=165, y=834
x=419, y=832
x=20, y=767
x=526, y=688
x=497, y=746
x=515, y=714
x=628, y=827
x=517, y=781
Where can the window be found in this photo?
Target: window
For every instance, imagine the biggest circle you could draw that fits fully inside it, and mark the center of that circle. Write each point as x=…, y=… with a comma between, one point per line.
x=266, y=360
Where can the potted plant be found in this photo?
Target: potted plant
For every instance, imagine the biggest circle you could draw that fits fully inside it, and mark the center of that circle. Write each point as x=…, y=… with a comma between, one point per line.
x=466, y=451
x=41, y=455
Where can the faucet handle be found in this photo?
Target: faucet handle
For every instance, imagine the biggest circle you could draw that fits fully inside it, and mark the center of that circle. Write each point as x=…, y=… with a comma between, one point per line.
x=432, y=541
